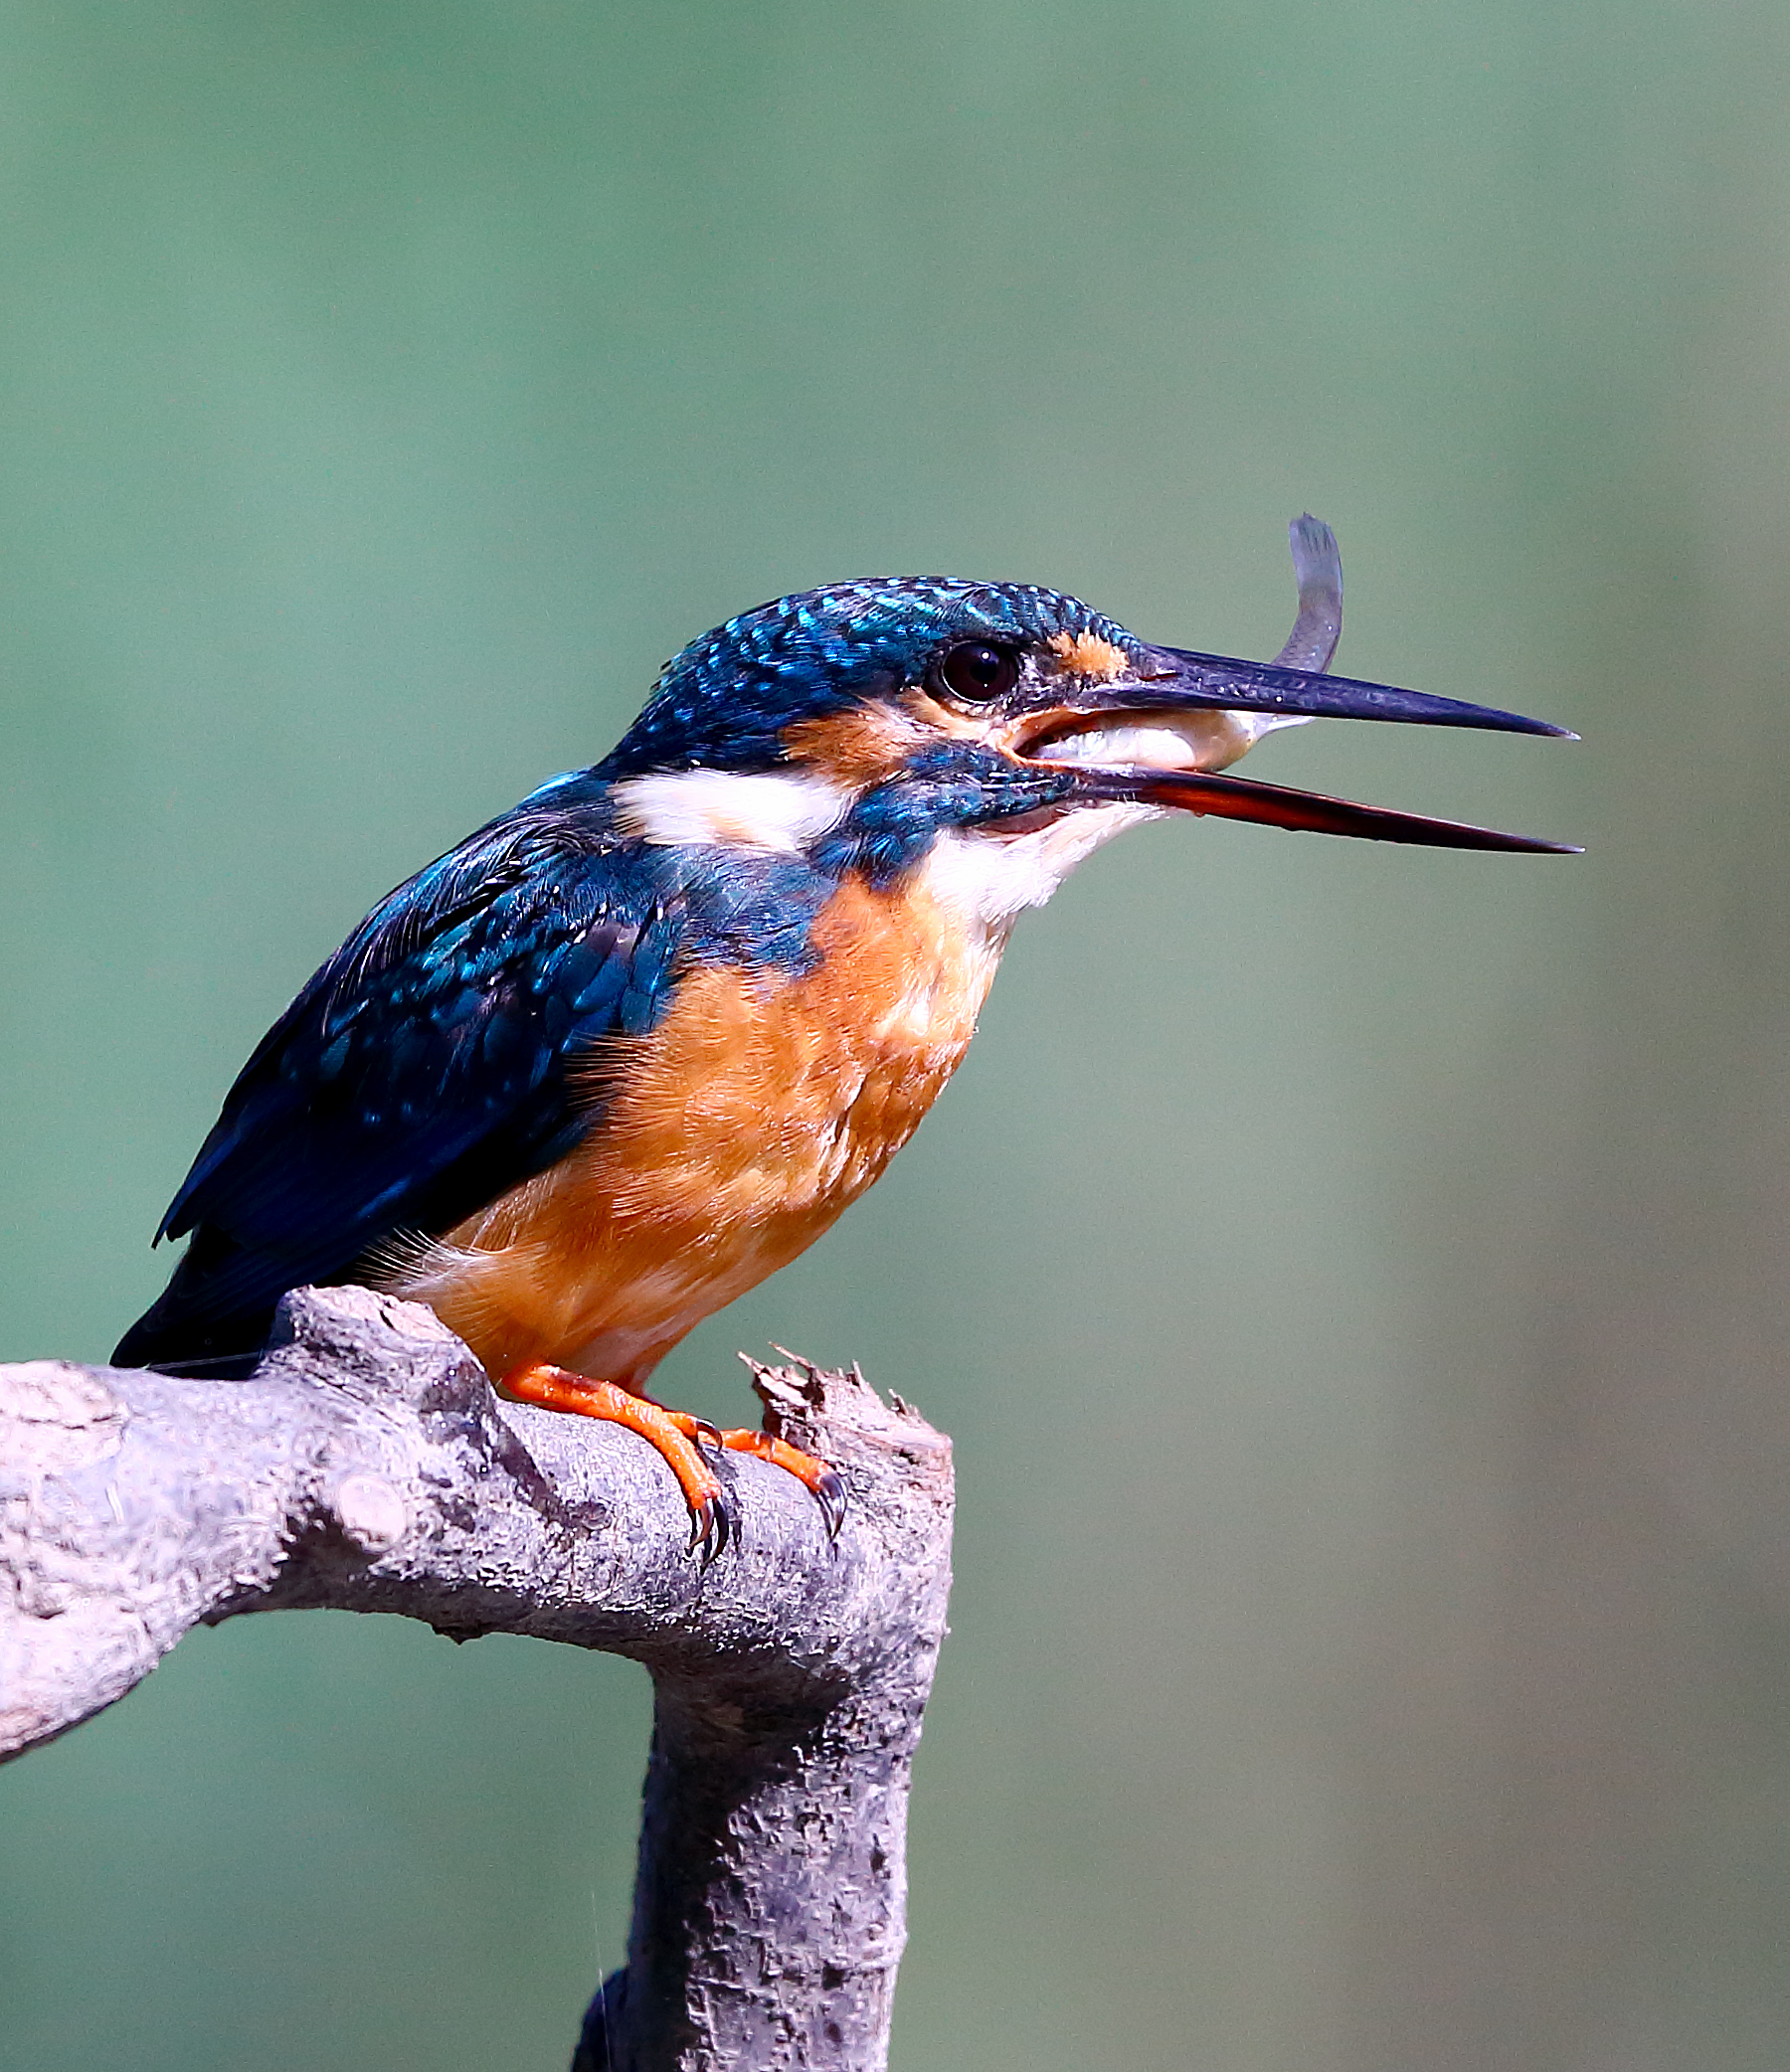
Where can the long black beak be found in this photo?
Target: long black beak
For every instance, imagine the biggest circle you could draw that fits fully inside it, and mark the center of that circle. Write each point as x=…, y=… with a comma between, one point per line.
x=1175, y=679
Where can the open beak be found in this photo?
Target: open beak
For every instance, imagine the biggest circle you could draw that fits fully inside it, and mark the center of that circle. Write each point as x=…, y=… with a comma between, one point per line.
x=1163, y=736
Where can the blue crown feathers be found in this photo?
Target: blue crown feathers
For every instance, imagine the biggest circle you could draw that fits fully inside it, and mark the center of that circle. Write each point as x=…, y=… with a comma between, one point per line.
x=724, y=702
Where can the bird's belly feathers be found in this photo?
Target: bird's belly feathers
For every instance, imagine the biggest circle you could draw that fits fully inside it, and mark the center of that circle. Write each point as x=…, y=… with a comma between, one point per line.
x=727, y=1141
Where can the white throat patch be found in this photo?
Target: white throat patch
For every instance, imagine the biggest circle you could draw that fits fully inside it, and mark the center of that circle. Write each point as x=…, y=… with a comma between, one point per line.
x=731, y=809
x=991, y=878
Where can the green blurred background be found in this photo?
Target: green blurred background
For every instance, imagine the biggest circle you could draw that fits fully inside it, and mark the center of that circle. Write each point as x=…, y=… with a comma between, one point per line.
x=1352, y=1276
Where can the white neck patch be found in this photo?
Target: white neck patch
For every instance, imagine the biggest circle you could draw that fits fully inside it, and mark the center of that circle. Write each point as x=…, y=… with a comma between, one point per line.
x=765, y=810
x=989, y=879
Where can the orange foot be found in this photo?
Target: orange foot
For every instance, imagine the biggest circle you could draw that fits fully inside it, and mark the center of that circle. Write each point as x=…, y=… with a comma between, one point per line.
x=674, y=1435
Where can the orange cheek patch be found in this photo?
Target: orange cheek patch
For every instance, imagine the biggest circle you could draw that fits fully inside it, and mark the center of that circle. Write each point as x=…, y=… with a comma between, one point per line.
x=856, y=749
x=1086, y=654
x=931, y=719
x=867, y=746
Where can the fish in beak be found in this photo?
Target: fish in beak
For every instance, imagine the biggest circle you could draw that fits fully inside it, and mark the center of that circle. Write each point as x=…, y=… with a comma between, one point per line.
x=1164, y=733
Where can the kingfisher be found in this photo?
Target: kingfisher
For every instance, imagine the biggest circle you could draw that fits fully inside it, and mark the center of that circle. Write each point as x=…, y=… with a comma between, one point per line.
x=636, y=1042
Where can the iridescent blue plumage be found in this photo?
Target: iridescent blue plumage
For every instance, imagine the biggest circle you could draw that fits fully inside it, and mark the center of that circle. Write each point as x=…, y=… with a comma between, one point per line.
x=423, y=1071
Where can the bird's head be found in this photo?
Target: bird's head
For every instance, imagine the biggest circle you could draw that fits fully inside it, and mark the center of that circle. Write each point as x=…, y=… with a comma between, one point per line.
x=999, y=729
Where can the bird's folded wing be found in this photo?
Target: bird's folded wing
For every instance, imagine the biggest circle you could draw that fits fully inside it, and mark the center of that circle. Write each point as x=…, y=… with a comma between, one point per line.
x=423, y=1072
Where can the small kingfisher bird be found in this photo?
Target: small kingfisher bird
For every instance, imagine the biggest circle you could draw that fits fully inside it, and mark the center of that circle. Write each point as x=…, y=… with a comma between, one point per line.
x=636, y=1042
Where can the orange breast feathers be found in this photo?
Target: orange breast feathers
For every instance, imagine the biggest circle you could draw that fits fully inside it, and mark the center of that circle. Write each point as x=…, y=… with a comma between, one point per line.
x=729, y=1139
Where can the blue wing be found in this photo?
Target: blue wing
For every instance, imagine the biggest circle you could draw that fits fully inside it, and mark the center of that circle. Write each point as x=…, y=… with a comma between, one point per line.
x=423, y=1072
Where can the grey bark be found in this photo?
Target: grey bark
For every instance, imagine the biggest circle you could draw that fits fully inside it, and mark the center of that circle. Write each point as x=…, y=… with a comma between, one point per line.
x=367, y=1464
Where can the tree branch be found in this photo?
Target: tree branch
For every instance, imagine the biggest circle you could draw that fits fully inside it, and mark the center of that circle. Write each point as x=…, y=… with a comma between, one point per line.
x=367, y=1464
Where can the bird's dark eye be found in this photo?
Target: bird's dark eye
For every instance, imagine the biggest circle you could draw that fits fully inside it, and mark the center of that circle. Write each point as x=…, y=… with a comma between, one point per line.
x=978, y=671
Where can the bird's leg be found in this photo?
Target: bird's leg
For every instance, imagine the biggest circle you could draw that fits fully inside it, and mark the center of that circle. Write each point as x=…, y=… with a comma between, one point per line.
x=671, y=1434
x=828, y=1490
x=679, y=1437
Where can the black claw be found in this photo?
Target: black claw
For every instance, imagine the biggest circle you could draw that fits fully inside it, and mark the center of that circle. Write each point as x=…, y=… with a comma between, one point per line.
x=831, y=1496
x=708, y=1434
x=707, y=1526
x=713, y=1527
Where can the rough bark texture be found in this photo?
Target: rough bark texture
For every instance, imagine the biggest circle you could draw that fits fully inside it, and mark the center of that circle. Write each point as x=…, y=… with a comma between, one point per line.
x=367, y=1465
